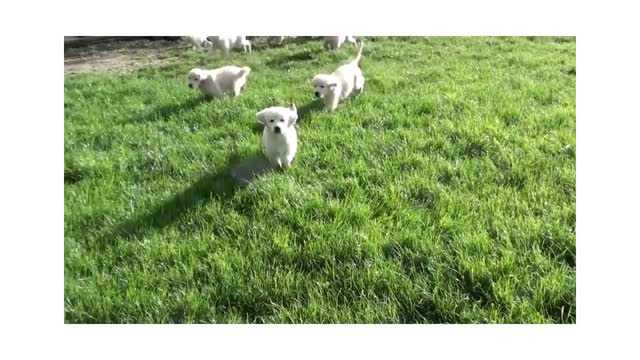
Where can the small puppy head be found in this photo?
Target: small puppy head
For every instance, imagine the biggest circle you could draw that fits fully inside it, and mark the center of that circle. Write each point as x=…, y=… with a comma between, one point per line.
x=278, y=119
x=207, y=43
x=196, y=76
x=324, y=84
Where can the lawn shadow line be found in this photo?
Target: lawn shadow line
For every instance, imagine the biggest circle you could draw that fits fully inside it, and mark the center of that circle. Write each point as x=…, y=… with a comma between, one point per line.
x=306, y=109
x=163, y=112
x=301, y=39
x=217, y=186
x=304, y=55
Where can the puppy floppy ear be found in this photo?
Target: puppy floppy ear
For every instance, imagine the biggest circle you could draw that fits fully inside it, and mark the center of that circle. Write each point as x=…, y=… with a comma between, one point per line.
x=205, y=76
x=293, y=116
x=244, y=71
x=332, y=85
x=260, y=117
x=196, y=71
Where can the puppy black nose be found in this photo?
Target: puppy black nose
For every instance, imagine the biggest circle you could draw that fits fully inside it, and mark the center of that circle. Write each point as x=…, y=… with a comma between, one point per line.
x=190, y=85
x=276, y=130
x=317, y=94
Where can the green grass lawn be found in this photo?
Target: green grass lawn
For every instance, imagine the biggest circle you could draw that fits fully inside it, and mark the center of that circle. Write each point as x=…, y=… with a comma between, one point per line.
x=445, y=194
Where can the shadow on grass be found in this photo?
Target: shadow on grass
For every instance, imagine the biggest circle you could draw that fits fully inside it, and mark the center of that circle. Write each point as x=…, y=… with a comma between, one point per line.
x=304, y=55
x=304, y=110
x=163, y=112
x=301, y=39
x=219, y=186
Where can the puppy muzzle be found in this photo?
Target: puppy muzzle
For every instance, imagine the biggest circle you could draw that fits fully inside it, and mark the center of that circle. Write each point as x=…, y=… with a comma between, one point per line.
x=277, y=130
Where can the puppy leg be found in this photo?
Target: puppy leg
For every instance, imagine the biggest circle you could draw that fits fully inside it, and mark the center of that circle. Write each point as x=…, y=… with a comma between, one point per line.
x=284, y=164
x=237, y=88
x=289, y=160
x=359, y=84
x=332, y=102
x=216, y=90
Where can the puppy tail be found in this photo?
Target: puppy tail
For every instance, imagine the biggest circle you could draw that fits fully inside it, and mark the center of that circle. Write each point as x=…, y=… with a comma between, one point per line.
x=357, y=59
x=244, y=71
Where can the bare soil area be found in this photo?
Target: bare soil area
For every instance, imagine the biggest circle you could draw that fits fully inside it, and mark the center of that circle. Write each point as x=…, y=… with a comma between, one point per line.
x=119, y=55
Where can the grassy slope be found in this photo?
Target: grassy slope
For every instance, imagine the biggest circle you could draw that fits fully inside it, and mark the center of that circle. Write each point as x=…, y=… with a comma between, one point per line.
x=445, y=194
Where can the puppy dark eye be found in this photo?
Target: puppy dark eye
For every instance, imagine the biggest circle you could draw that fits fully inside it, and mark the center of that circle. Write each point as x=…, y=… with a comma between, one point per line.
x=281, y=120
x=321, y=86
x=271, y=120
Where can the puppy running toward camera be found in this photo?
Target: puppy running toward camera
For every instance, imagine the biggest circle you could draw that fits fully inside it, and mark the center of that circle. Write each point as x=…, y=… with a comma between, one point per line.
x=226, y=43
x=227, y=80
x=335, y=42
x=337, y=86
x=198, y=42
x=279, y=137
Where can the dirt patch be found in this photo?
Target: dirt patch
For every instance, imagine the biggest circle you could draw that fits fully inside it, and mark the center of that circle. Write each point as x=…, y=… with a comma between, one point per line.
x=120, y=55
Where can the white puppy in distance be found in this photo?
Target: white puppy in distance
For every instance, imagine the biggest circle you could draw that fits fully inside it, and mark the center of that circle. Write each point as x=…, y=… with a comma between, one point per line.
x=278, y=39
x=281, y=39
x=335, y=42
x=226, y=43
x=227, y=80
x=331, y=88
x=279, y=137
x=198, y=42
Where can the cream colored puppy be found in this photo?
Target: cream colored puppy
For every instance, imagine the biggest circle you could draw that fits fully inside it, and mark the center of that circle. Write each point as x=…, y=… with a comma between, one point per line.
x=278, y=39
x=334, y=42
x=337, y=86
x=219, y=82
x=281, y=39
x=226, y=43
x=279, y=137
x=198, y=42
